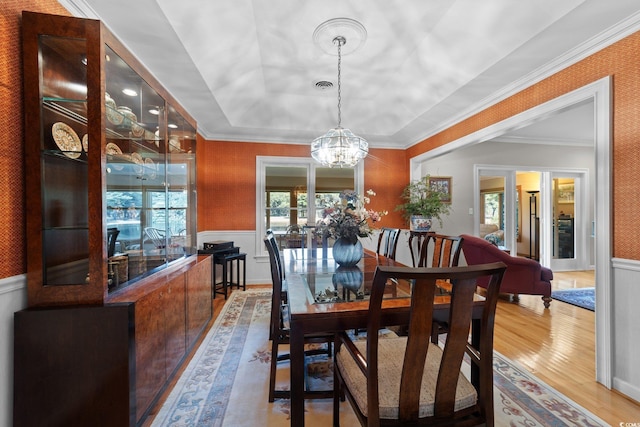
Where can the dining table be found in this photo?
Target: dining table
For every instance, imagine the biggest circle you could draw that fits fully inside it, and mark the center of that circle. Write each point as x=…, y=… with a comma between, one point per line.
x=326, y=297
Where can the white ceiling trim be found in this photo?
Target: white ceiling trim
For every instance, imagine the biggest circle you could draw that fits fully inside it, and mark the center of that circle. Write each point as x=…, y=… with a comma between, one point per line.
x=573, y=142
x=79, y=8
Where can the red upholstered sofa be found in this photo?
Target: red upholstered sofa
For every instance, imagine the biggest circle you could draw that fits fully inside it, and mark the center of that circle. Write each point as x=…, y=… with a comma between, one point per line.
x=523, y=275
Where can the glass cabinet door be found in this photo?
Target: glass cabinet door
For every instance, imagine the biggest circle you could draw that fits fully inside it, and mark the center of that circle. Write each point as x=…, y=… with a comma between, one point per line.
x=135, y=171
x=181, y=182
x=63, y=161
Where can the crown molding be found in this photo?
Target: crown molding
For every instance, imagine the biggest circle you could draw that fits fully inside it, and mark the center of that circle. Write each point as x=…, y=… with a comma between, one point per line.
x=79, y=8
x=570, y=142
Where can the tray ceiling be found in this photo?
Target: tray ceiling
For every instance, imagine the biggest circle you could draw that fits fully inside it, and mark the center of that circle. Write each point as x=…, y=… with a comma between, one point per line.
x=247, y=69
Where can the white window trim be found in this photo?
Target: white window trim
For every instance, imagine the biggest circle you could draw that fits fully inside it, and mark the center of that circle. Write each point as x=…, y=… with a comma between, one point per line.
x=262, y=162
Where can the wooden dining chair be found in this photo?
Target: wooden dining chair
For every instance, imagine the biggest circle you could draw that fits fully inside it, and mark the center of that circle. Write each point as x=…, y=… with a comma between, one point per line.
x=388, y=242
x=279, y=331
x=409, y=380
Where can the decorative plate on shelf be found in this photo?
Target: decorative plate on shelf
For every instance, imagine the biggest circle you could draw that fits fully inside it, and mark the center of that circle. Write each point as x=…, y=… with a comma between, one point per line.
x=136, y=129
x=136, y=158
x=174, y=144
x=85, y=143
x=67, y=140
x=114, y=115
x=151, y=167
x=113, y=150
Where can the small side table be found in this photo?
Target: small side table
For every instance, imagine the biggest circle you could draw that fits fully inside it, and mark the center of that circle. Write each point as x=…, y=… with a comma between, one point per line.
x=227, y=280
x=240, y=280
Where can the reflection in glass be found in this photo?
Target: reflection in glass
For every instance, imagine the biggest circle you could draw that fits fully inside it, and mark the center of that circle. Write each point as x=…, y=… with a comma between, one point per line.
x=564, y=218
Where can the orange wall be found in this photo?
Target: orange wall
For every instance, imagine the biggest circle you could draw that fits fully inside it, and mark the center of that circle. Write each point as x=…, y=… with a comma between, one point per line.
x=13, y=240
x=227, y=181
x=619, y=60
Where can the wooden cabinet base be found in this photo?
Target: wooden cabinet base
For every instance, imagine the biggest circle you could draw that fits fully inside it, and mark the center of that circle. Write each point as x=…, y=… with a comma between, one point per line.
x=72, y=366
x=106, y=365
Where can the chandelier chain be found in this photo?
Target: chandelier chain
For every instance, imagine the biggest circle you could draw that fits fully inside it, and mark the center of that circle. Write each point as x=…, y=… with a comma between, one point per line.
x=340, y=43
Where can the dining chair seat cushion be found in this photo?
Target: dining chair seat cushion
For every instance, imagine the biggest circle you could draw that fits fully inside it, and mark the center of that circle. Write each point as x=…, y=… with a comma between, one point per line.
x=390, y=360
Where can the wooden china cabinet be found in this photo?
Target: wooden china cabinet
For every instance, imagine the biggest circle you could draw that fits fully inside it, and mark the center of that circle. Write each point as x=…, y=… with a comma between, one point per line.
x=117, y=294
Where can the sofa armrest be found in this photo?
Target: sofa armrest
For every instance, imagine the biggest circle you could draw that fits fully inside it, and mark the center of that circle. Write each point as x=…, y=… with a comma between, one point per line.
x=546, y=274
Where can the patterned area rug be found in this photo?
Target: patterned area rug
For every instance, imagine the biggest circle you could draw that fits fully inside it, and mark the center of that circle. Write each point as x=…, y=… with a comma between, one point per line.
x=582, y=297
x=226, y=382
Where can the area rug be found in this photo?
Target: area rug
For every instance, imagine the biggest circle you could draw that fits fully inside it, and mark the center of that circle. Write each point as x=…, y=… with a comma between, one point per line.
x=581, y=297
x=226, y=382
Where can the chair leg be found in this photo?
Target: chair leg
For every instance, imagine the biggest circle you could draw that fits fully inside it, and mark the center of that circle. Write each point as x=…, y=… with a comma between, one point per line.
x=274, y=363
x=547, y=301
x=336, y=396
x=434, y=332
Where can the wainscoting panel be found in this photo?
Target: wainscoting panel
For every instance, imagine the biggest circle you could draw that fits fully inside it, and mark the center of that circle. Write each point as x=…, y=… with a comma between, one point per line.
x=13, y=297
x=626, y=328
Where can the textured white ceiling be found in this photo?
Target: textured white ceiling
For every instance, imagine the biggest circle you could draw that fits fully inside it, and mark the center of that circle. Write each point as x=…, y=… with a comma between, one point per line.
x=246, y=69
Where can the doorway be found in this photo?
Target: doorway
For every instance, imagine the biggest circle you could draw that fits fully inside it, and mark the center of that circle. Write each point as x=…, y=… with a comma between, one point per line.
x=598, y=94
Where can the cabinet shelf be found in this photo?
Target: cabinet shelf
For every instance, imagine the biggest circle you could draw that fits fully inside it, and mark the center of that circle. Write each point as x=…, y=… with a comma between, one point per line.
x=67, y=228
x=75, y=110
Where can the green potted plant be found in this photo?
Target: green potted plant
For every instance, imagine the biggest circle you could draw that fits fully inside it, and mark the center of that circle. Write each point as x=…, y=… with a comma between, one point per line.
x=422, y=204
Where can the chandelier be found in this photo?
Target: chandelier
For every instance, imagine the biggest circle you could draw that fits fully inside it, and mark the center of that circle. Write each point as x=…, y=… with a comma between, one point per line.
x=339, y=147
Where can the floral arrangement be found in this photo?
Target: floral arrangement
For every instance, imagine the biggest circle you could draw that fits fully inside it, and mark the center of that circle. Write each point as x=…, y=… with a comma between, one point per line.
x=421, y=198
x=349, y=217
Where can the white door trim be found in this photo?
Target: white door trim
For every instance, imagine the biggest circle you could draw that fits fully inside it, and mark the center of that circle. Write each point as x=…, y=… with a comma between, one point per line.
x=600, y=93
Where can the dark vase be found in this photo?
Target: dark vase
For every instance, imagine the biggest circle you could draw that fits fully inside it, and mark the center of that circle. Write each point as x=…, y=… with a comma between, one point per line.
x=346, y=253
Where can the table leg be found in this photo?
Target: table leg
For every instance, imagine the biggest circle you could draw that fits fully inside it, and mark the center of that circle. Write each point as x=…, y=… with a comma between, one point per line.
x=296, y=344
x=475, y=342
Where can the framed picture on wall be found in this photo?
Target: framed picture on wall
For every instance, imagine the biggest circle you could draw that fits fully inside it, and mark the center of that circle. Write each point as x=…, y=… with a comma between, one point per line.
x=565, y=193
x=443, y=185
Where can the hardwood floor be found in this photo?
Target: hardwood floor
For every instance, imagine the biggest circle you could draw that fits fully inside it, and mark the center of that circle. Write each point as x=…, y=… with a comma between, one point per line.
x=557, y=345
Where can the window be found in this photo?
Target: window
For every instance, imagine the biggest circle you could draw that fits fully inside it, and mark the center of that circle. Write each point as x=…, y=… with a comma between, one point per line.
x=493, y=208
x=291, y=194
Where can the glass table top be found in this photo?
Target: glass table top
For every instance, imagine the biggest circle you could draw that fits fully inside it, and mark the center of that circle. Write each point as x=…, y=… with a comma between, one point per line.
x=348, y=285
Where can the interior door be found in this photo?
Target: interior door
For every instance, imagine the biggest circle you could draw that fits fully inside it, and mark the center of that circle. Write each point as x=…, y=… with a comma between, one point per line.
x=567, y=235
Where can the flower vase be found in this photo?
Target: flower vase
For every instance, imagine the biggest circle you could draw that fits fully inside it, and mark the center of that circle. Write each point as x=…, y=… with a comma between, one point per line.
x=421, y=223
x=347, y=253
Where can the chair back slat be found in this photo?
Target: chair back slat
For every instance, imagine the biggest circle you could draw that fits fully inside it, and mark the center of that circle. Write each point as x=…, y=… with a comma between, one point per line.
x=416, y=352
x=416, y=240
x=388, y=242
